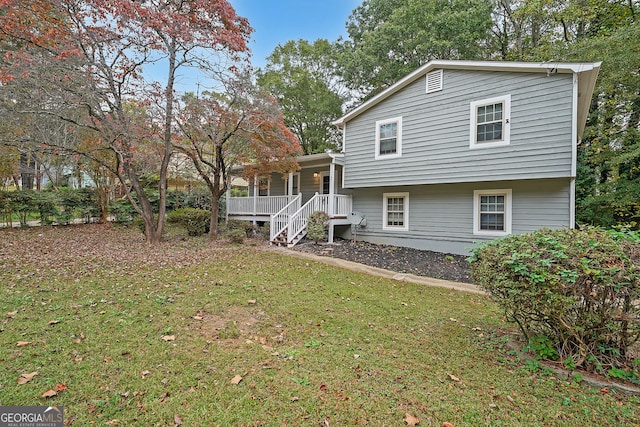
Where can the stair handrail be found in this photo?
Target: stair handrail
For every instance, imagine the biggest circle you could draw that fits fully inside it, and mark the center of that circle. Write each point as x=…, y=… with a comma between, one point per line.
x=298, y=221
x=282, y=213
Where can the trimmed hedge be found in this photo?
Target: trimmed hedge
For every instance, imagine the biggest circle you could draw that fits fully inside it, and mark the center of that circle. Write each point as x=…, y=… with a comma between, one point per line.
x=578, y=290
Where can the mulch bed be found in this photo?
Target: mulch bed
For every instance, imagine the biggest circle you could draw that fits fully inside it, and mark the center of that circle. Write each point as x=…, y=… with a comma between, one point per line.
x=395, y=258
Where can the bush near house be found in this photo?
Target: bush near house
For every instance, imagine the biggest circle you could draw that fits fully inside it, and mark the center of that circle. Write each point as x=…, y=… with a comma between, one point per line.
x=575, y=294
x=315, y=226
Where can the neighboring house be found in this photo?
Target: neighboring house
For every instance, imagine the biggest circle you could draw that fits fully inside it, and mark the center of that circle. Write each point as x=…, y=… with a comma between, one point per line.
x=455, y=153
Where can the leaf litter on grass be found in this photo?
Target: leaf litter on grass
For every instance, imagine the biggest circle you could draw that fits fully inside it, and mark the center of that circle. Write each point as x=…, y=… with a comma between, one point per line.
x=105, y=284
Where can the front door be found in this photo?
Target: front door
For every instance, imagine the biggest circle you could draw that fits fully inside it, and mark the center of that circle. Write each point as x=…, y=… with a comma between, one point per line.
x=325, y=183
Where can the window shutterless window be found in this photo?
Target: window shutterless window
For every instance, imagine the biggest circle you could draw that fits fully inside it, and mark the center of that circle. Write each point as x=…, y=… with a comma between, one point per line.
x=492, y=212
x=388, y=138
x=490, y=122
x=395, y=211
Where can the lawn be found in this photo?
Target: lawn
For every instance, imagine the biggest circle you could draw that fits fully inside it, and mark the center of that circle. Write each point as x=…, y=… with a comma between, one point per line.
x=195, y=334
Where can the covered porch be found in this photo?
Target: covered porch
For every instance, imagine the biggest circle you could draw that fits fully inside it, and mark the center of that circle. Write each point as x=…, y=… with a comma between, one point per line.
x=285, y=201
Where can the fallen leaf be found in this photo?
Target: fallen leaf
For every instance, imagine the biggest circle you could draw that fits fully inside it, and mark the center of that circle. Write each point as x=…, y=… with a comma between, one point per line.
x=53, y=322
x=23, y=343
x=12, y=314
x=295, y=399
x=169, y=337
x=60, y=387
x=446, y=424
x=411, y=420
x=236, y=380
x=177, y=420
x=145, y=373
x=25, y=378
x=49, y=393
x=453, y=320
x=453, y=377
x=251, y=301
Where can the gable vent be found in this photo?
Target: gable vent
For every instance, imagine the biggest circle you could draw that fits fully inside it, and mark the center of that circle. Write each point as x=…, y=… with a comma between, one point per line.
x=434, y=81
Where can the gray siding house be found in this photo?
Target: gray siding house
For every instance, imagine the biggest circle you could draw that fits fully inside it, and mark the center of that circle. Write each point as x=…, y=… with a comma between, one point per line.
x=460, y=152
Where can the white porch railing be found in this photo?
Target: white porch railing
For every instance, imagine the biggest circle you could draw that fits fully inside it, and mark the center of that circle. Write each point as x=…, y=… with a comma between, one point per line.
x=262, y=205
x=280, y=220
x=334, y=205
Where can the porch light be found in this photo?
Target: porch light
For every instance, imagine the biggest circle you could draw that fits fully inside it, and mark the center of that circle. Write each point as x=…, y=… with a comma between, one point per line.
x=315, y=174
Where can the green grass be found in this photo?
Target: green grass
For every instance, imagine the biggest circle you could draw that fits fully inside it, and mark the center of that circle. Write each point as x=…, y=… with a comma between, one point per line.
x=145, y=334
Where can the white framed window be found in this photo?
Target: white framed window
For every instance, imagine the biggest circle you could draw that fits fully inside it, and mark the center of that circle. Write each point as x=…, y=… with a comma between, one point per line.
x=434, y=81
x=264, y=187
x=389, y=138
x=395, y=214
x=492, y=212
x=490, y=122
x=293, y=187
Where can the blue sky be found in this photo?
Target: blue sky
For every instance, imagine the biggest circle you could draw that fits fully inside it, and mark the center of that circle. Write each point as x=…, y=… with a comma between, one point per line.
x=278, y=21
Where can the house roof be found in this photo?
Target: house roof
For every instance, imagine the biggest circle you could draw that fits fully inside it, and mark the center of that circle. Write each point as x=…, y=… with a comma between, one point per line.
x=586, y=72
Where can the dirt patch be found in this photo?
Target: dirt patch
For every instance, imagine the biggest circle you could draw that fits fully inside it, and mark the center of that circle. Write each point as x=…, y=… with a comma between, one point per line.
x=395, y=258
x=236, y=323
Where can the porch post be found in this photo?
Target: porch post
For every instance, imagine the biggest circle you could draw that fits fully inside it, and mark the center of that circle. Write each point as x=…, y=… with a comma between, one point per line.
x=256, y=190
x=332, y=173
x=228, y=201
x=290, y=186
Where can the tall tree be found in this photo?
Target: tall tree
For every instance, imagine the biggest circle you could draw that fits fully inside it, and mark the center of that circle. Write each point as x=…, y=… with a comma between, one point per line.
x=240, y=126
x=608, y=181
x=388, y=39
x=106, y=44
x=302, y=77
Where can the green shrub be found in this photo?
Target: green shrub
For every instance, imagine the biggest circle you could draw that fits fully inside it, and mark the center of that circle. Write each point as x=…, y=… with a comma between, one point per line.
x=235, y=235
x=122, y=211
x=580, y=289
x=238, y=224
x=21, y=203
x=46, y=203
x=316, y=224
x=195, y=221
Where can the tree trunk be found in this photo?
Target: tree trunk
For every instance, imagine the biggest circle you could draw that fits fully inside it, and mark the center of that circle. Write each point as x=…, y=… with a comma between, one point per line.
x=27, y=170
x=213, y=224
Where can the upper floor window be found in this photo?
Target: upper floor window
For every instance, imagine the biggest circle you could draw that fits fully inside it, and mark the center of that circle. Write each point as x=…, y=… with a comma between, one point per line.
x=492, y=212
x=389, y=138
x=490, y=122
x=396, y=211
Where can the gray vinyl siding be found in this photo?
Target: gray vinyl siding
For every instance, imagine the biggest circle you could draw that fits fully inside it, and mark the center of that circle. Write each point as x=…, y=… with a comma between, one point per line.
x=436, y=132
x=441, y=215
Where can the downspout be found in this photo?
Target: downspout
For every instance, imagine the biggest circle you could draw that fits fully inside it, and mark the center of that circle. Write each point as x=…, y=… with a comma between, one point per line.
x=574, y=153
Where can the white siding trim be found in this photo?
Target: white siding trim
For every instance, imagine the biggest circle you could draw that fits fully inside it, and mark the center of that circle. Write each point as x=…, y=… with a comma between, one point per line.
x=572, y=203
x=574, y=128
x=398, y=152
x=506, y=124
x=434, y=81
x=405, y=220
x=507, y=211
